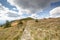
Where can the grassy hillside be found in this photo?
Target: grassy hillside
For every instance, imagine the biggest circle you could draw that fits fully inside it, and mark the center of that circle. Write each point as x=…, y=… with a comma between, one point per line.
x=31, y=29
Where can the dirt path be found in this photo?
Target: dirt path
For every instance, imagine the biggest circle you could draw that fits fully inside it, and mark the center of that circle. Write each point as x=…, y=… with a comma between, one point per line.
x=26, y=34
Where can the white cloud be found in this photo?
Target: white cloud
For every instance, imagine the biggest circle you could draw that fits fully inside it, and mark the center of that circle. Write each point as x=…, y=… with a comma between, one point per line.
x=31, y=5
x=33, y=16
x=14, y=9
x=13, y=15
x=36, y=16
x=55, y=12
x=6, y=14
x=3, y=9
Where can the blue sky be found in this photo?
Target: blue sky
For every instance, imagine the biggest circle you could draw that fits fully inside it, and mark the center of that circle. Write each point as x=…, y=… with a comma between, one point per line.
x=6, y=4
x=10, y=11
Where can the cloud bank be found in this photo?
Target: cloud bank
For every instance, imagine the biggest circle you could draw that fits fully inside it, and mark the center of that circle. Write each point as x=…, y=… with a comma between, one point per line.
x=31, y=5
x=6, y=14
x=55, y=12
x=13, y=15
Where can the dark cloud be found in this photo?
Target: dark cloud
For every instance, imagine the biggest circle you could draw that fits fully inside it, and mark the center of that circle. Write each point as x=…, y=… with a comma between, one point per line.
x=9, y=14
x=32, y=5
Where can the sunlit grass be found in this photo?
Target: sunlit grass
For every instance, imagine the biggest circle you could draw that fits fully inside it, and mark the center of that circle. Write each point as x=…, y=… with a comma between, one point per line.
x=44, y=29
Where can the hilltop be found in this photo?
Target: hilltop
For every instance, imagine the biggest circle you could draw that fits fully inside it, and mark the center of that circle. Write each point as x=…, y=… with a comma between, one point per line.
x=31, y=29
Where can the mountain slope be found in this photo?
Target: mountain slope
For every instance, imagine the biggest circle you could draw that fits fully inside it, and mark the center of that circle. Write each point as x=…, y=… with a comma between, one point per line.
x=30, y=29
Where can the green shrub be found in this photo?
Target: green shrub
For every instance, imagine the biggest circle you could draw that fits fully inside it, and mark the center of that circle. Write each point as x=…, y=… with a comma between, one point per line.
x=20, y=23
x=1, y=25
x=8, y=24
x=36, y=20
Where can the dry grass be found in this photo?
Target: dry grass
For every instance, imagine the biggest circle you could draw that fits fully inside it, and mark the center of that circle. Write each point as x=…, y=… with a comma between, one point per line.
x=44, y=29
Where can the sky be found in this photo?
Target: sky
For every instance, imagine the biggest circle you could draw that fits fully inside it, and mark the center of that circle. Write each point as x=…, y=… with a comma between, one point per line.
x=18, y=9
